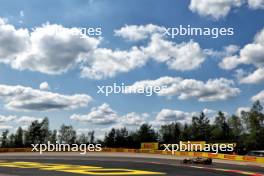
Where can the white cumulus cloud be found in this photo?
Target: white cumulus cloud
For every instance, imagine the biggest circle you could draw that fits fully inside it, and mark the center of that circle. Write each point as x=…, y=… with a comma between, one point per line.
x=105, y=115
x=54, y=49
x=44, y=86
x=218, y=9
x=259, y=97
x=256, y=4
x=211, y=90
x=252, y=54
x=26, y=98
x=13, y=42
x=98, y=115
x=26, y=120
x=256, y=77
x=168, y=115
x=7, y=118
x=214, y=8
x=106, y=63
x=136, y=33
x=178, y=56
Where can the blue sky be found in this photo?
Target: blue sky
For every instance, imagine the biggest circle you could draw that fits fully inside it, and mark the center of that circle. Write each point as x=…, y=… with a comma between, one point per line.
x=246, y=18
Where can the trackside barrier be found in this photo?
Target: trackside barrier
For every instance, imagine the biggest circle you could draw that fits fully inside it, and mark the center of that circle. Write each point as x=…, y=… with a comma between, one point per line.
x=161, y=152
x=9, y=150
x=192, y=154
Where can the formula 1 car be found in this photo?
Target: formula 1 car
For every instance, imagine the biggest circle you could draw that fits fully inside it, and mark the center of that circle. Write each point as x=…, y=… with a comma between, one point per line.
x=198, y=160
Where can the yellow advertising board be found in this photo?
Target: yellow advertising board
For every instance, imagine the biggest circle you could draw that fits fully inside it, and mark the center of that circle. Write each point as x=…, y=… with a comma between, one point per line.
x=150, y=145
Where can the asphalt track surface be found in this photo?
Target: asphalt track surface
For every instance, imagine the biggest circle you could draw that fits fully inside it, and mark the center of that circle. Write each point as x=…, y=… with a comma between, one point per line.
x=80, y=165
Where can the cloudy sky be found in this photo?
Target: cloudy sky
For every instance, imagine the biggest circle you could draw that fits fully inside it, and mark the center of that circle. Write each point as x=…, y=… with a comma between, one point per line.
x=47, y=71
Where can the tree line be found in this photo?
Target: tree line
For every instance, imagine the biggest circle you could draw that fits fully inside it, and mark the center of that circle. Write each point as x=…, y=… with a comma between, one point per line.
x=39, y=133
x=246, y=130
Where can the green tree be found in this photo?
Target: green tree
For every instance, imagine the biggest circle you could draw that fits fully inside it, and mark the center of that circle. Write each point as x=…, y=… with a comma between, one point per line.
x=221, y=130
x=254, y=120
x=4, y=139
x=170, y=133
x=146, y=134
x=83, y=139
x=201, y=129
x=236, y=126
x=12, y=141
x=67, y=134
x=44, y=130
x=121, y=137
x=19, y=138
x=34, y=133
x=53, y=137
x=91, y=138
x=109, y=139
x=186, y=133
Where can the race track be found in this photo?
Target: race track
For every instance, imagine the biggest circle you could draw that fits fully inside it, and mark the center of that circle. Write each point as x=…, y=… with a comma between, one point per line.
x=79, y=165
